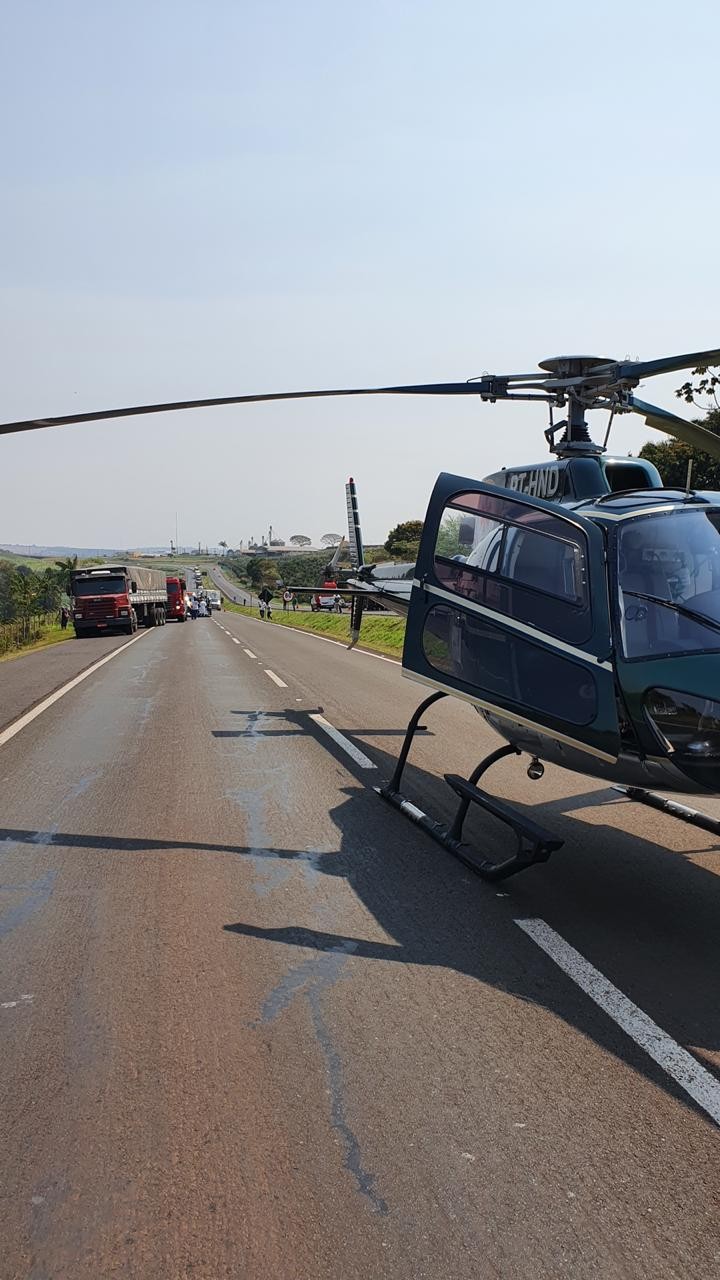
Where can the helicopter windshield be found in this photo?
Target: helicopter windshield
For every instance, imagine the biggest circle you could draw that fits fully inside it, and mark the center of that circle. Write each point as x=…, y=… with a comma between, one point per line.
x=669, y=583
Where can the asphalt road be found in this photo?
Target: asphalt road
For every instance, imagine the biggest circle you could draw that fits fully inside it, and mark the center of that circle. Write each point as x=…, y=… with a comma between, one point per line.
x=254, y=1024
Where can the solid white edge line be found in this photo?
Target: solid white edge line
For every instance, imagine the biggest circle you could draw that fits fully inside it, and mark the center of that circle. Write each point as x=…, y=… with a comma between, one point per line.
x=280, y=683
x=681, y=1066
x=29, y=716
x=250, y=653
x=382, y=657
x=354, y=752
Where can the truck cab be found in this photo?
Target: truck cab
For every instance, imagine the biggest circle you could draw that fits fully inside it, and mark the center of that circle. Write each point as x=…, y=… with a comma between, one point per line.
x=117, y=598
x=176, y=598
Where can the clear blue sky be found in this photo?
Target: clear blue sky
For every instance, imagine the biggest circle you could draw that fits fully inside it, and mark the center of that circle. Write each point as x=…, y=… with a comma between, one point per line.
x=216, y=198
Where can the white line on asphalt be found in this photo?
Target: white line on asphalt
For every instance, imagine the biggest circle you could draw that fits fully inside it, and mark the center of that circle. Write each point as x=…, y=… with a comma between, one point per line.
x=280, y=683
x=341, y=643
x=250, y=653
x=367, y=652
x=354, y=752
x=233, y=639
x=29, y=716
x=685, y=1070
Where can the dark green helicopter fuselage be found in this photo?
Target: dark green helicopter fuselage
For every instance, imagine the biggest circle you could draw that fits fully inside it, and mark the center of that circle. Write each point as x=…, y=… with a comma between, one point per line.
x=577, y=605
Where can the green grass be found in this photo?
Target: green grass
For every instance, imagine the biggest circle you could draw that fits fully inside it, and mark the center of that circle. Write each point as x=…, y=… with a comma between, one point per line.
x=38, y=563
x=50, y=635
x=383, y=633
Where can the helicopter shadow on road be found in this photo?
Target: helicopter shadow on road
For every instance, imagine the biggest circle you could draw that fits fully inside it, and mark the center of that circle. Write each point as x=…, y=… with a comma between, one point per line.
x=645, y=916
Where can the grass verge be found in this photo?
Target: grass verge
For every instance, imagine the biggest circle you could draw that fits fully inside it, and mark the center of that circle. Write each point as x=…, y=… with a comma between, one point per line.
x=382, y=633
x=51, y=635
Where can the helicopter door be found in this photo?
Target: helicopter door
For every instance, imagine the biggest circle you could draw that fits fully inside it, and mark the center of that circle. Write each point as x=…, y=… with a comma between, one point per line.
x=510, y=610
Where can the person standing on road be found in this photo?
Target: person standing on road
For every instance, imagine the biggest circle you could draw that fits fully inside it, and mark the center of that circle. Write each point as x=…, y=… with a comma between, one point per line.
x=264, y=598
x=64, y=617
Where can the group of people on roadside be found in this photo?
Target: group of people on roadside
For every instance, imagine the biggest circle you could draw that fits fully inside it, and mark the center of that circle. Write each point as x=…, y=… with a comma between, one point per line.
x=198, y=607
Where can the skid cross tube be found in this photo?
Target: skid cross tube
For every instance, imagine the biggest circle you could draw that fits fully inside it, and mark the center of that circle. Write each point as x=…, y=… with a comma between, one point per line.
x=455, y=831
x=534, y=844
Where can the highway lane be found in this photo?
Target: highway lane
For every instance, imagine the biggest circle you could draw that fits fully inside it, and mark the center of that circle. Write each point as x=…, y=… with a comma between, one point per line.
x=230, y=587
x=226, y=584
x=254, y=1024
x=636, y=891
x=28, y=678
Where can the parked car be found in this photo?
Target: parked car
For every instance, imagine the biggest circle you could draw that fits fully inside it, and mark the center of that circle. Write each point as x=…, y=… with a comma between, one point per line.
x=320, y=601
x=214, y=600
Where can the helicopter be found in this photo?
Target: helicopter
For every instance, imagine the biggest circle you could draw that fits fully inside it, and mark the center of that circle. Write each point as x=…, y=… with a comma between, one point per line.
x=575, y=603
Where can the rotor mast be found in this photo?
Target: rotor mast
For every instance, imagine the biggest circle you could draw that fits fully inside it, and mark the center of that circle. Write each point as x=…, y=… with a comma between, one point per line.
x=568, y=370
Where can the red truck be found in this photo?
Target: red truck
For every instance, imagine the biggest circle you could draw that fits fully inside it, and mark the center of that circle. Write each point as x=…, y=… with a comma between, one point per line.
x=176, y=592
x=117, y=598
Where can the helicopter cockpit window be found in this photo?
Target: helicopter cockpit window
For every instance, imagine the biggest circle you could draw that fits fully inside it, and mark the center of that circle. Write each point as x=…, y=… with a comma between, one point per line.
x=669, y=583
x=517, y=560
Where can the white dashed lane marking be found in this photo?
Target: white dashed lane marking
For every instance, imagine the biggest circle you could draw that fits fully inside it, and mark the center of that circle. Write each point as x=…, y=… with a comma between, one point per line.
x=354, y=752
x=280, y=683
x=250, y=653
x=233, y=639
x=699, y=1084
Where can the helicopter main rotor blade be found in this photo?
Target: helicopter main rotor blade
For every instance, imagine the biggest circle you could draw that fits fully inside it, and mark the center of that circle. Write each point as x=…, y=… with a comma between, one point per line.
x=336, y=558
x=421, y=389
x=689, y=432
x=666, y=364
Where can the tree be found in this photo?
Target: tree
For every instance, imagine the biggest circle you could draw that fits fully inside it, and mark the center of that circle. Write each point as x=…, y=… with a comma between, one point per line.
x=331, y=540
x=671, y=458
x=254, y=571
x=403, y=541
x=50, y=589
x=66, y=567
x=260, y=570
x=448, y=540
x=300, y=540
x=24, y=595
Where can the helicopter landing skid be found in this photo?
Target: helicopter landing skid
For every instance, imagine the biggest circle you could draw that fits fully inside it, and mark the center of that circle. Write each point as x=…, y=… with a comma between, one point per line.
x=534, y=844
x=672, y=808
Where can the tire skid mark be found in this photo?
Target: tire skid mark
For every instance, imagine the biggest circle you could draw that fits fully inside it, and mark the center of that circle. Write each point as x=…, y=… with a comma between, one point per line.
x=314, y=976
x=39, y=891
x=270, y=868
x=37, y=894
x=312, y=979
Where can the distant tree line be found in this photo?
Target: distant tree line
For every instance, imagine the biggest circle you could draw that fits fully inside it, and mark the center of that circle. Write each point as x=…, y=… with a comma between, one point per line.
x=296, y=571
